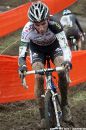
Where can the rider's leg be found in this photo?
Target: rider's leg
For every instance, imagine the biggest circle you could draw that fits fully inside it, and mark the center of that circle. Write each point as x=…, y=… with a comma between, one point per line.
x=39, y=90
x=79, y=42
x=78, y=39
x=63, y=86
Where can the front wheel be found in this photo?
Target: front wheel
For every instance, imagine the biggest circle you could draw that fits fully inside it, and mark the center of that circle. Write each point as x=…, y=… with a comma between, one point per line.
x=49, y=110
x=50, y=115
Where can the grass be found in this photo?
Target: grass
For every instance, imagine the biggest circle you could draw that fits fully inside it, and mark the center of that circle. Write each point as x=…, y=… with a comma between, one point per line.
x=78, y=97
x=79, y=7
x=77, y=94
x=9, y=40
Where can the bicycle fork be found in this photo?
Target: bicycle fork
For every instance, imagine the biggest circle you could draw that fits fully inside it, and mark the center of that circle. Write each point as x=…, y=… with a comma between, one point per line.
x=57, y=112
x=52, y=88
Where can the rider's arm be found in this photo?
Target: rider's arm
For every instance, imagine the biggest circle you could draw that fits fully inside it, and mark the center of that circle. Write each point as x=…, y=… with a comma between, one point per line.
x=53, y=18
x=79, y=26
x=24, y=45
x=62, y=21
x=60, y=34
x=22, y=53
x=64, y=45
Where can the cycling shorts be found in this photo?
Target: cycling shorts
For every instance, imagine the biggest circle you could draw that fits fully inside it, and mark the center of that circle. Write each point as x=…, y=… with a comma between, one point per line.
x=73, y=32
x=39, y=53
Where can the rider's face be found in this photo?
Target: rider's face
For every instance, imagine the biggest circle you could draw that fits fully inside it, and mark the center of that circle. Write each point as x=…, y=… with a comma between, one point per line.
x=41, y=27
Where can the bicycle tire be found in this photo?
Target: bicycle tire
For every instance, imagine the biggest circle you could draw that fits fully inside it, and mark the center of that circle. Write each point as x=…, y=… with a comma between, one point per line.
x=49, y=110
x=50, y=116
x=73, y=46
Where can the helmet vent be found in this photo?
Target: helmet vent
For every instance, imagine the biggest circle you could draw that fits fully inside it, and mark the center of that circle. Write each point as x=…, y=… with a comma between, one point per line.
x=38, y=12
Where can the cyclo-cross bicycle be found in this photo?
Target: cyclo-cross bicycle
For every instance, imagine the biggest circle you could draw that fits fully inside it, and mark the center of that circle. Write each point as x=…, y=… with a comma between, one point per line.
x=73, y=42
x=53, y=111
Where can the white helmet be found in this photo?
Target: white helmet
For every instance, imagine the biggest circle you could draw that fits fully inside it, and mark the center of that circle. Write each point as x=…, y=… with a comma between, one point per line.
x=66, y=11
x=38, y=12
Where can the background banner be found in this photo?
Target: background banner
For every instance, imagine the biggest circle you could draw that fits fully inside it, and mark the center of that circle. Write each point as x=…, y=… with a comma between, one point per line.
x=10, y=85
x=16, y=18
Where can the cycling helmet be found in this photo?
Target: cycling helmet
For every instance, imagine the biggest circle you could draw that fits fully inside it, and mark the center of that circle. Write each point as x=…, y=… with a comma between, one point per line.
x=66, y=11
x=38, y=12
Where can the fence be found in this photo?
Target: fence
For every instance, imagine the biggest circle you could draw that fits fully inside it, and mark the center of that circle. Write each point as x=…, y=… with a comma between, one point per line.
x=10, y=84
x=14, y=19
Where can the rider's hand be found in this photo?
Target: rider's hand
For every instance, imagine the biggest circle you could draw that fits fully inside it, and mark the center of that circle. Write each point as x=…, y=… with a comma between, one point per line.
x=67, y=65
x=22, y=69
x=22, y=72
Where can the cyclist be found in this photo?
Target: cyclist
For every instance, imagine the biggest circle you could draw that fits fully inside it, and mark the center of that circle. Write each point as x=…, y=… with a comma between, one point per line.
x=43, y=37
x=72, y=27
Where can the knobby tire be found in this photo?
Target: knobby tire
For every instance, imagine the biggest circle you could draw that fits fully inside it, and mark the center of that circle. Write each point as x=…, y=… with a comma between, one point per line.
x=49, y=111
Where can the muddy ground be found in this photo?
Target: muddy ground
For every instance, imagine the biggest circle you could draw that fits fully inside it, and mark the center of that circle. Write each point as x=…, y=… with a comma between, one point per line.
x=24, y=115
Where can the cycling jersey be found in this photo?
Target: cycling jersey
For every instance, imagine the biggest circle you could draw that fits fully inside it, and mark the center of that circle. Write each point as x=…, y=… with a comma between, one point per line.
x=30, y=34
x=30, y=37
x=70, y=21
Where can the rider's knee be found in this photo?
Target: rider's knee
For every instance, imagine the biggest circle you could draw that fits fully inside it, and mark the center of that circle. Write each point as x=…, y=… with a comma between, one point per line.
x=39, y=85
x=37, y=65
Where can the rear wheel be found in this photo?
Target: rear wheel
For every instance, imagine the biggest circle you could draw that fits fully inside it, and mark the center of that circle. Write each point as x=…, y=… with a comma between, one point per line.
x=73, y=44
x=75, y=47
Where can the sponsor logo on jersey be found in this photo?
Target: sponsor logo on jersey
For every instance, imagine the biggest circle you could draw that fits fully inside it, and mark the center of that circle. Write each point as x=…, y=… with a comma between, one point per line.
x=58, y=25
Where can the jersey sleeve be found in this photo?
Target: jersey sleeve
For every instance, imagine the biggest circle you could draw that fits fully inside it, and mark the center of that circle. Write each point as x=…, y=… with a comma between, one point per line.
x=24, y=44
x=25, y=35
x=62, y=21
x=55, y=27
x=64, y=46
x=78, y=24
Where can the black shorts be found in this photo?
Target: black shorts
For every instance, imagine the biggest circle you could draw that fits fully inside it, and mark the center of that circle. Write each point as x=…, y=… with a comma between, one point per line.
x=39, y=53
x=73, y=32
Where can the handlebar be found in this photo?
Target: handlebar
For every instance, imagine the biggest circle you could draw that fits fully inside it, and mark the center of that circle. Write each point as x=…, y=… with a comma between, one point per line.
x=43, y=72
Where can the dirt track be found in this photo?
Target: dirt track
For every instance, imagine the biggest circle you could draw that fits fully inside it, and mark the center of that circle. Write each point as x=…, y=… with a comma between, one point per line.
x=24, y=115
